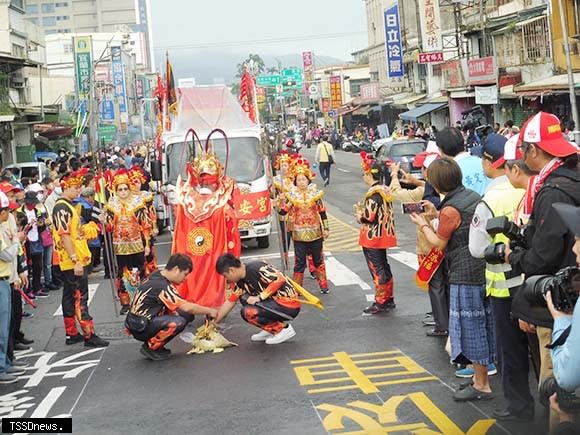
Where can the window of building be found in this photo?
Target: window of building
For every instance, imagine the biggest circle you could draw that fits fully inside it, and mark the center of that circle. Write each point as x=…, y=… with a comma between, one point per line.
x=49, y=21
x=33, y=20
x=31, y=9
x=17, y=3
x=18, y=51
x=47, y=8
x=67, y=47
x=61, y=4
x=536, y=39
x=50, y=32
x=62, y=18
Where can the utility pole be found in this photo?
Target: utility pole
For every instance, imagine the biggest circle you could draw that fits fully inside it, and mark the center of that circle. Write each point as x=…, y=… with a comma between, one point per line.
x=571, y=86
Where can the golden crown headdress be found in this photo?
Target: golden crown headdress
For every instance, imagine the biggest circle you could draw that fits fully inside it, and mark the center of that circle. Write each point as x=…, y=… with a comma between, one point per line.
x=74, y=179
x=121, y=177
x=206, y=160
x=302, y=167
x=283, y=157
x=136, y=175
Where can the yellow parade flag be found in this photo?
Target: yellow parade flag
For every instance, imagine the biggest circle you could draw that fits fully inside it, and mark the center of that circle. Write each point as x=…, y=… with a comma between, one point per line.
x=309, y=298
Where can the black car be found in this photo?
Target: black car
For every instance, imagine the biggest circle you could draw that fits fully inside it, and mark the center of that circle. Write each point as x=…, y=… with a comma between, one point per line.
x=401, y=151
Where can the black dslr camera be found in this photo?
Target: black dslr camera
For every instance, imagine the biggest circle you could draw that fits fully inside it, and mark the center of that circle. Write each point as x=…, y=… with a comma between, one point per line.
x=569, y=401
x=495, y=254
x=564, y=288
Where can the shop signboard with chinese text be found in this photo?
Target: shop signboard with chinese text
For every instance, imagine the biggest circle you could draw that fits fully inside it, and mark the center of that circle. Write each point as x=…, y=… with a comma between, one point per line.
x=83, y=56
x=394, y=47
x=435, y=57
x=119, y=78
x=482, y=71
x=335, y=92
x=452, y=74
x=369, y=92
x=430, y=25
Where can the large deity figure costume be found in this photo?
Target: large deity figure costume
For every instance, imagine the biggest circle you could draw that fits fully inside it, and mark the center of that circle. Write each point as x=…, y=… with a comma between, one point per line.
x=206, y=226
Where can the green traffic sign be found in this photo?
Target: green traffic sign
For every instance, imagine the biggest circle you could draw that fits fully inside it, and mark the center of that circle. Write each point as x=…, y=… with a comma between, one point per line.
x=272, y=80
x=107, y=132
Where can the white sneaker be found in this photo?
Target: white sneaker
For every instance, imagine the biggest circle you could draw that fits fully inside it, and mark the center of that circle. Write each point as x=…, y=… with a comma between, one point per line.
x=261, y=336
x=285, y=334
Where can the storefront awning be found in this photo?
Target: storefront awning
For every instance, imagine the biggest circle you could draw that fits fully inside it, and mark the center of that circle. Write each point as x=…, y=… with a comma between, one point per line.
x=418, y=112
x=462, y=94
x=402, y=103
x=551, y=85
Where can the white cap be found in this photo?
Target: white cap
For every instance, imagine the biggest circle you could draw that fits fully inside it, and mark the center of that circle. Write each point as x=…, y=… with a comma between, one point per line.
x=511, y=149
x=430, y=159
x=4, y=201
x=35, y=187
x=432, y=147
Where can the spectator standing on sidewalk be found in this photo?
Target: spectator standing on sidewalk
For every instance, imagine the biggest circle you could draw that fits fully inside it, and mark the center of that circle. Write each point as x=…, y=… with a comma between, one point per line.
x=471, y=329
x=9, y=246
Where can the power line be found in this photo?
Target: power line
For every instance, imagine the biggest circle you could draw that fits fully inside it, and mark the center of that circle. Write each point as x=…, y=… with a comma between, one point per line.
x=259, y=41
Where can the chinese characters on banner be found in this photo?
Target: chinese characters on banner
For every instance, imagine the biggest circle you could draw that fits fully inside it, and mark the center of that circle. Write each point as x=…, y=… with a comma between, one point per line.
x=369, y=92
x=482, y=71
x=119, y=78
x=308, y=66
x=430, y=25
x=393, y=43
x=83, y=51
x=335, y=92
x=253, y=205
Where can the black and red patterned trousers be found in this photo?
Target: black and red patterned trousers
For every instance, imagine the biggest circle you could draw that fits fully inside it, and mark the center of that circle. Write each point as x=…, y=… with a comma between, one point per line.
x=75, y=298
x=302, y=250
x=265, y=317
x=162, y=329
x=380, y=270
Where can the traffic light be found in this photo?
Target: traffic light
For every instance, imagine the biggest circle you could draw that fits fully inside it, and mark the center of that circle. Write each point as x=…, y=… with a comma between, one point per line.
x=289, y=83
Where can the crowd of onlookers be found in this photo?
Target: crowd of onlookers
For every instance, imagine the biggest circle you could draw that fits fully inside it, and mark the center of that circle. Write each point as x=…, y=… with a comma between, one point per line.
x=29, y=269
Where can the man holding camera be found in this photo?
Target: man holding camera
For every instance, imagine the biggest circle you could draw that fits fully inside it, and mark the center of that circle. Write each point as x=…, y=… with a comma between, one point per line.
x=500, y=200
x=548, y=241
x=566, y=336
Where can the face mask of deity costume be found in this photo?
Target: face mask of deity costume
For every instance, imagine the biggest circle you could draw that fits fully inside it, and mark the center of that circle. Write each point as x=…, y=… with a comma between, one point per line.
x=206, y=172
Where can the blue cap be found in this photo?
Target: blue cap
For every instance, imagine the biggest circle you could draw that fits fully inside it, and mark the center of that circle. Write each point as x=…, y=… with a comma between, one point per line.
x=493, y=149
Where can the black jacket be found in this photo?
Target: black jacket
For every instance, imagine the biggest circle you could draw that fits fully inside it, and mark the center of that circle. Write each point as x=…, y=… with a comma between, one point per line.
x=548, y=239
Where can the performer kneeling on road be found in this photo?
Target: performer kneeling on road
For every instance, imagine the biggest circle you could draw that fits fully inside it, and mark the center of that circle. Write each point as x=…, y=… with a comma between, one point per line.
x=268, y=300
x=158, y=314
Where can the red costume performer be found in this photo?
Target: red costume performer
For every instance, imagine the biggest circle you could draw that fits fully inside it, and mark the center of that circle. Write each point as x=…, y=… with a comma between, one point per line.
x=206, y=226
x=377, y=234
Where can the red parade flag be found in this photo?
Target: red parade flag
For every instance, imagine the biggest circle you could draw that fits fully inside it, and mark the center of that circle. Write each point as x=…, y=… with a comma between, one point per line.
x=170, y=86
x=247, y=94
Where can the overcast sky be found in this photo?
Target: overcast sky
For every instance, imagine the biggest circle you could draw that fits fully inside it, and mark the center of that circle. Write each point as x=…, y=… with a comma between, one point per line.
x=226, y=25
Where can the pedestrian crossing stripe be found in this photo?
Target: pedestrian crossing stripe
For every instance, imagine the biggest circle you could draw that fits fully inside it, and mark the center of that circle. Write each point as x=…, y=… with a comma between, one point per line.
x=343, y=237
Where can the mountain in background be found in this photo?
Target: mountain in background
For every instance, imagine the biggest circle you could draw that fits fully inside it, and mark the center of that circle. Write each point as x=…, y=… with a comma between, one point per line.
x=207, y=67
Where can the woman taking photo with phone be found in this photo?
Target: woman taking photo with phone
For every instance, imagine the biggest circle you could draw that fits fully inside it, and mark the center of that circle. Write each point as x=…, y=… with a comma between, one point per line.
x=471, y=329
x=377, y=234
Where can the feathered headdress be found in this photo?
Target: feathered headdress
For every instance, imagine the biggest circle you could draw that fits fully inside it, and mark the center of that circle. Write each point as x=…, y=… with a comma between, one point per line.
x=302, y=167
x=367, y=163
x=74, y=179
x=136, y=175
x=121, y=177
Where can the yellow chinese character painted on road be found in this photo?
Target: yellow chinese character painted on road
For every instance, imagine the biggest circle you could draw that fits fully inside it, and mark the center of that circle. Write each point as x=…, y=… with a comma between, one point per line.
x=246, y=208
x=364, y=372
x=383, y=418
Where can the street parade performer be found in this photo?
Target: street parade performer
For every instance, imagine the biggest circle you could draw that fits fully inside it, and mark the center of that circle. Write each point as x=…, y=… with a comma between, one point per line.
x=283, y=182
x=206, y=226
x=70, y=242
x=137, y=179
x=307, y=218
x=377, y=234
x=269, y=299
x=128, y=220
x=158, y=314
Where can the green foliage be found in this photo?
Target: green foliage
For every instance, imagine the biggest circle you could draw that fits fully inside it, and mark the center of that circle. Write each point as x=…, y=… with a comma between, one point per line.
x=258, y=63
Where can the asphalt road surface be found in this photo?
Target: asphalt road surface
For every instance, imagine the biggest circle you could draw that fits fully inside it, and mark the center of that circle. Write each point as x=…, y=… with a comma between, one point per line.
x=342, y=374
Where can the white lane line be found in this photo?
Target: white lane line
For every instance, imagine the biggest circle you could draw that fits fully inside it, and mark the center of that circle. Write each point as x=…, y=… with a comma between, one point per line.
x=47, y=403
x=92, y=290
x=409, y=259
x=343, y=170
x=339, y=274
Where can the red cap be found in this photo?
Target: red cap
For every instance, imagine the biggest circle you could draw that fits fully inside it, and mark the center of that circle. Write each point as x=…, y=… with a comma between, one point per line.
x=543, y=129
x=9, y=187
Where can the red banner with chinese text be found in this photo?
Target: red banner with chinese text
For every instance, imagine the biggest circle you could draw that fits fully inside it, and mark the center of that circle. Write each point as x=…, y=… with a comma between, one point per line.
x=254, y=205
x=429, y=265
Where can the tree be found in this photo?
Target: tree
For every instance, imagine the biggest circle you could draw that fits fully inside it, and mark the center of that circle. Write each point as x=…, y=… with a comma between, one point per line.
x=272, y=70
x=253, y=60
